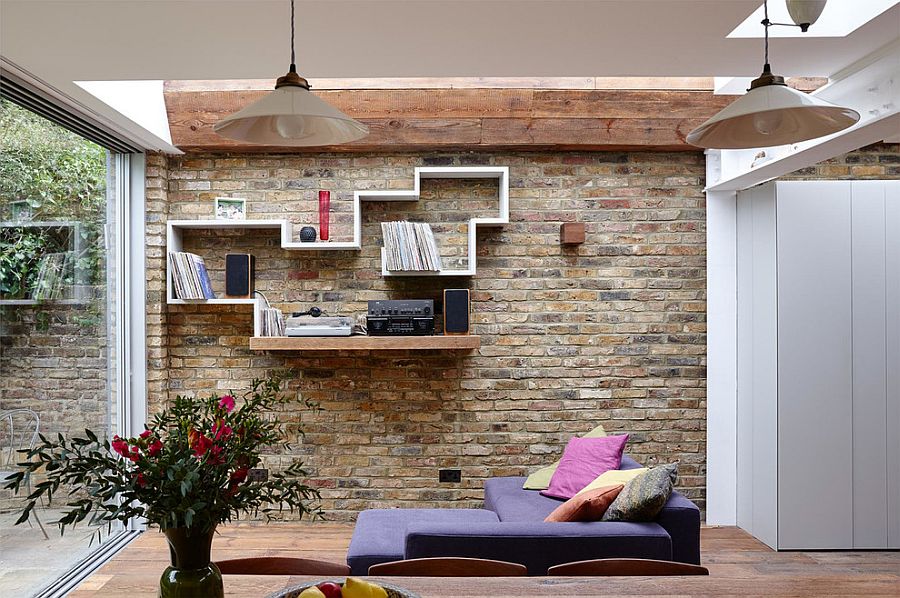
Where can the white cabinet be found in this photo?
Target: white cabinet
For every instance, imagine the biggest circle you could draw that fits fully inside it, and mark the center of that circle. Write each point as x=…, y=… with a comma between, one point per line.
x=818, y=331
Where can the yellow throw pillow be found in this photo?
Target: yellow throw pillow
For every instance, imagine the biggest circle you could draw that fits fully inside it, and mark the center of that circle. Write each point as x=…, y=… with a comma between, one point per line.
x=540, y=480
x=613, y=478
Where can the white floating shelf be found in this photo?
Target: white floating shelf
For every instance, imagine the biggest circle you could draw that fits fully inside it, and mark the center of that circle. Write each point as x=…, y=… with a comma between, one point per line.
x=501, y=173
x=175, y=242
x=224, y=301
x=175, y=228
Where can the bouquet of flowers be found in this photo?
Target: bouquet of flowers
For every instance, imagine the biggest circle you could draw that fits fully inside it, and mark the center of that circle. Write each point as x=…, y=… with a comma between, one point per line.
x=190, y=468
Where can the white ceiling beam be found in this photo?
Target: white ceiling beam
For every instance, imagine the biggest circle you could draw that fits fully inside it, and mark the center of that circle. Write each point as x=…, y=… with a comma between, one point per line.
x=871, y=87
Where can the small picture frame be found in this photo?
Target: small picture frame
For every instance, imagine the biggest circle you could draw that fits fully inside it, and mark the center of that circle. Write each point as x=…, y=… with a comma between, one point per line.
x=230, y=208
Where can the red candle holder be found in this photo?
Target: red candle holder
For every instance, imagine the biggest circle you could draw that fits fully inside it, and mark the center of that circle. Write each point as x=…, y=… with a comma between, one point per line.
x=324, y=211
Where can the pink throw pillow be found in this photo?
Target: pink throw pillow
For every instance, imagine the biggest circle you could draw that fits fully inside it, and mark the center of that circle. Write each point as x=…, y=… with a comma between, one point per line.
x=582, y=461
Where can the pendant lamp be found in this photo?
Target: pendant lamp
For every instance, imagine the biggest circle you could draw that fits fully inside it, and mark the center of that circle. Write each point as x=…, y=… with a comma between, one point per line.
x=291, y=116
x=771, y=113
x=805, y=12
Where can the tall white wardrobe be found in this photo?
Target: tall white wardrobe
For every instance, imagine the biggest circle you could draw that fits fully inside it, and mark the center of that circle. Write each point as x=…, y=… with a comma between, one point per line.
x=818, y=330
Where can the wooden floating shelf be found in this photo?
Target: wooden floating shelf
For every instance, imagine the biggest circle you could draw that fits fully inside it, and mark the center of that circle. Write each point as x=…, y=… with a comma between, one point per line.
x=465, y=342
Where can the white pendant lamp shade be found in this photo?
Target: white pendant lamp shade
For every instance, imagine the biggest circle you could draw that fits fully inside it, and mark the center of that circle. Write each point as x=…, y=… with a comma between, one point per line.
x=771, y=114
x=291, y=116
x=805, y=12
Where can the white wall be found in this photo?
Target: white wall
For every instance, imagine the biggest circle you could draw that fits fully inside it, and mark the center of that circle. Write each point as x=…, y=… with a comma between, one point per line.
x=818, y=332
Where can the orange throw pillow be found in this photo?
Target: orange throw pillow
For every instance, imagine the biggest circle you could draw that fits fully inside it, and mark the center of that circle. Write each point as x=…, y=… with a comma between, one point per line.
x=589, y=506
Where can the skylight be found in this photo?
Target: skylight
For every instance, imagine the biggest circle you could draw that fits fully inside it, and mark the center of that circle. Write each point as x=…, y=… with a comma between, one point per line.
x=839, y=19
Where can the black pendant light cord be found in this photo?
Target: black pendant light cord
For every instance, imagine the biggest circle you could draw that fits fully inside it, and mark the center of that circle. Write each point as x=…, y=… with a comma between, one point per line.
x=766, y=22
x=293, y=58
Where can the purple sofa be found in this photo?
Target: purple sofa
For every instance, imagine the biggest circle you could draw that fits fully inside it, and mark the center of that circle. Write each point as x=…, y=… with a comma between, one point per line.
x=511, y=528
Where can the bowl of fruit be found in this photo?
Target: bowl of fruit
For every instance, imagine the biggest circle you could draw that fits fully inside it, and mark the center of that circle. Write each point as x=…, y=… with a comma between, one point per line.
x=352, y=587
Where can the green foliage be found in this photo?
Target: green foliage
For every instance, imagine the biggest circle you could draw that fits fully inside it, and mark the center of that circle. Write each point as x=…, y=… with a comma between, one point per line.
x=188, y=469
x=20, y=258
x=61, y=176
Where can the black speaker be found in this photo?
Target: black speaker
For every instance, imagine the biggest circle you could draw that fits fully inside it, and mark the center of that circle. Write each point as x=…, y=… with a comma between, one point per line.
x=240, y=271
x=456, y=311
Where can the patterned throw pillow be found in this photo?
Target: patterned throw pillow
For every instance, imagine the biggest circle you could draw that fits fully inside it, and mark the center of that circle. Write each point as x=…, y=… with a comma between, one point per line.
x=644, y=496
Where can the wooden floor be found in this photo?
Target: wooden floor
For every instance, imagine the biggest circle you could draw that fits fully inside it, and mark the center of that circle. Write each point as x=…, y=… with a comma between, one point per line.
x=739, y=566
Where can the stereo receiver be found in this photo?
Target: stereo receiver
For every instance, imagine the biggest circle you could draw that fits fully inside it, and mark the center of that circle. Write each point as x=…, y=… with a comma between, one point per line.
x=414, y=317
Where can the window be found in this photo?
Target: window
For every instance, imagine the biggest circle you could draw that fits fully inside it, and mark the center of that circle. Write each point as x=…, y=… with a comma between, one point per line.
x=61, y=321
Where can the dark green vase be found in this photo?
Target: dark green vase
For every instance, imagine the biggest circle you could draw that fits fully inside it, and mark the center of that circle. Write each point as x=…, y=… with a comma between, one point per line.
x=192, y=573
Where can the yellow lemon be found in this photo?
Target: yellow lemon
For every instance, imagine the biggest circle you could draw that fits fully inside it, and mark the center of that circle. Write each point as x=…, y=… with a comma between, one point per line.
x=358, y=588
x=312, y=592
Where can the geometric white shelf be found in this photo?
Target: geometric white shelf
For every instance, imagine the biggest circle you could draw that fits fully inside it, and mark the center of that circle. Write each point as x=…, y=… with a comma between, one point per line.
x=175, y=228
x=449, y=172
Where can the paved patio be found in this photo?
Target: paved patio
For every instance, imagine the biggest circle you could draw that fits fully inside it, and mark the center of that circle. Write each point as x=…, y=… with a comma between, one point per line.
x=28, y=562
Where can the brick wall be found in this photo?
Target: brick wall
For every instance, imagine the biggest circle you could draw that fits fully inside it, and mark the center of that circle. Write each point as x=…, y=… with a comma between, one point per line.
x=879, y=161
x=53, y=360
x=611, y=331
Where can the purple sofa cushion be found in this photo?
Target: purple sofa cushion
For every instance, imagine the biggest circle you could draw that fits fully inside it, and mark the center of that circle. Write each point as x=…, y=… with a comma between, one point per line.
x=582, y=461
x=380, y=534
x=506, y=497
x=539, y=545
x=629, y=463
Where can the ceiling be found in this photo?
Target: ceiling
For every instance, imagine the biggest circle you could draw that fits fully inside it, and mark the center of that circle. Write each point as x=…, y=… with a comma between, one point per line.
x=93, y=40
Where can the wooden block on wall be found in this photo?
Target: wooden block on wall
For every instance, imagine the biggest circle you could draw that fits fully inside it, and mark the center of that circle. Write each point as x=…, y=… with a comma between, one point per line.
x=571, y=233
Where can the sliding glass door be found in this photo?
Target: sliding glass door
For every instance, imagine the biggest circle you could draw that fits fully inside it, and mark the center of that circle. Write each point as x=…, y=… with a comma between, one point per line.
x=59, y=322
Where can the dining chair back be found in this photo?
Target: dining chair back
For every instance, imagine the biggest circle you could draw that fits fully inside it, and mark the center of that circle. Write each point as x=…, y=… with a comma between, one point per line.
x=277, y=565
x=449, y=567
x=636, y=567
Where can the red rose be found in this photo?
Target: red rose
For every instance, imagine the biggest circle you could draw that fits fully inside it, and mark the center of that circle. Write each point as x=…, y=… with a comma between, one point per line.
x=200, y=444
x=120, y=445
x=155, y=448
x=146, y=434
x=239, y=475
x=221, y=431
x=215, y=455
x=227, y=403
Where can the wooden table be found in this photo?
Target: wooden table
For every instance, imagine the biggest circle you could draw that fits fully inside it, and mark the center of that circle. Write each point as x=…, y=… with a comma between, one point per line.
x=739, y=566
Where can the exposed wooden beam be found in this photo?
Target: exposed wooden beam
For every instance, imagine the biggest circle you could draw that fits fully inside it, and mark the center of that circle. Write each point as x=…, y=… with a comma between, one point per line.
x=496, y=118
x=618, y=83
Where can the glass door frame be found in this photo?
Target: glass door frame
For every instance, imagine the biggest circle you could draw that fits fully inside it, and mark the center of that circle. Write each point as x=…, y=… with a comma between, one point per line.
x=131, y=309
x=130, y=337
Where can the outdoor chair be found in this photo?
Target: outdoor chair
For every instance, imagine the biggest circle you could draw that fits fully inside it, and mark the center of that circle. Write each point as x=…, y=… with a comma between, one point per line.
x=637, y=567
x=449, y=567
x=20, y=430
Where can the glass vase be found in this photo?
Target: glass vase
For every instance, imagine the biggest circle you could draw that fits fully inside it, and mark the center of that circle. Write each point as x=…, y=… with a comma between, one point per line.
x=324, y=214
x=192, y=572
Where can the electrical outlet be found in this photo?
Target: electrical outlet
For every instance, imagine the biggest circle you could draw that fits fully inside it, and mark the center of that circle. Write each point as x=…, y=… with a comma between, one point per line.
x=258, y=475
x=449, y=476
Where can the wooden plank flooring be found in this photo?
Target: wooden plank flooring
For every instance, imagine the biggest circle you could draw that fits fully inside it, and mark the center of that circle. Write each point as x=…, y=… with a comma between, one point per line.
x=739, y=566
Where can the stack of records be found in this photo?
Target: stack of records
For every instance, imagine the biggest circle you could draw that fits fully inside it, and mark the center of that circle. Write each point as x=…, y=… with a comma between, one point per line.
x=189, y=276
x=271, y=322
x=410, y=247
x=52, y=277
